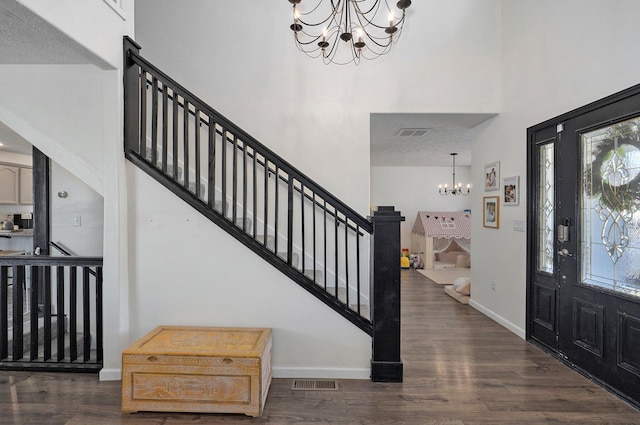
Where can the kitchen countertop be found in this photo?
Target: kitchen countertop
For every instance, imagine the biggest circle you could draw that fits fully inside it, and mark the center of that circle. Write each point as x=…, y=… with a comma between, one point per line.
x=8, y=253
x=19, y=232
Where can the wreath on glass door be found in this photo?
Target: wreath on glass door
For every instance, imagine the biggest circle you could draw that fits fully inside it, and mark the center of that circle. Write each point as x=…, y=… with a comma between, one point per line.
x=608, y=176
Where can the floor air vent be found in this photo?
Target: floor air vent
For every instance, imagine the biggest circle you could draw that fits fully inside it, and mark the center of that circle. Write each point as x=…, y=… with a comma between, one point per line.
x=314, y=385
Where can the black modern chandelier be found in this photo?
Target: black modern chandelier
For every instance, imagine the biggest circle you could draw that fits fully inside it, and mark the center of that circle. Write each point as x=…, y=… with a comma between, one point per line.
x=457, y=189
x=345, y=31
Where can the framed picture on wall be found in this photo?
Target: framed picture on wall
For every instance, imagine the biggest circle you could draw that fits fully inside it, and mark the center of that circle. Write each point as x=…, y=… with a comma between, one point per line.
x=491, y=211
x=511, y=190
x=492, y=176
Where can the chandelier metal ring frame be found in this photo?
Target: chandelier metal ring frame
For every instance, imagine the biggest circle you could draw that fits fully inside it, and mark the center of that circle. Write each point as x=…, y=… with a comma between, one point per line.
x=368, y=28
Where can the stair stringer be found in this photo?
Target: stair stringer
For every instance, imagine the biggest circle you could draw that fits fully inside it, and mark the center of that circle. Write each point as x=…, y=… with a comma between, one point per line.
x=188, y=272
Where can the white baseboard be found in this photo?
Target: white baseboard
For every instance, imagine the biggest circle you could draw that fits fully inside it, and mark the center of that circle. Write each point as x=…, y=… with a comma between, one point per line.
x=497, y=318
x=111, y=374
x=279, y=372
x=325, y=373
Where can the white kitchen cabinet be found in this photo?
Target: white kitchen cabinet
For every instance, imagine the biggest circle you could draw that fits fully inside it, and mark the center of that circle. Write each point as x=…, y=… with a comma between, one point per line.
x=9, y=184
x=26, y=186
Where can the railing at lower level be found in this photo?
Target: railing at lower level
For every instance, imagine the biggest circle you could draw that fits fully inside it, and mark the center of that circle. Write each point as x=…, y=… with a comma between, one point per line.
x=51, y=313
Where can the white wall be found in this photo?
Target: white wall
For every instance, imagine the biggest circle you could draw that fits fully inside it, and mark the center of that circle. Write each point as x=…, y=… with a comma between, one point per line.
x=240, y=57
x=557, y=56
x=318, y=116
x=187, y=271
x=60, y=109
x=87, y=238
x=413, y=189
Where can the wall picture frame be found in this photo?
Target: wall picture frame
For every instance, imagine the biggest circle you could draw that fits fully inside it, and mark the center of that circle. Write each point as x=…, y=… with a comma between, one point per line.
x=492, y=176
x=491, y=211
x=511, y=191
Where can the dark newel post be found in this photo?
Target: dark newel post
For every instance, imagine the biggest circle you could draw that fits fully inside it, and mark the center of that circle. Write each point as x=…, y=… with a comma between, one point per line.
x=386, y=365
x=131, y=97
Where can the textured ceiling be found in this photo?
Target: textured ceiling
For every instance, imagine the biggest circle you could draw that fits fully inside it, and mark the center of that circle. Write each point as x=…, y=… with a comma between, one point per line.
x=25, y=38
x=448, y=133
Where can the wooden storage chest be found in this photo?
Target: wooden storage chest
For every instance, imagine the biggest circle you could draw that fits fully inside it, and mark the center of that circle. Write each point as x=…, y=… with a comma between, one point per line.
x=198, y=369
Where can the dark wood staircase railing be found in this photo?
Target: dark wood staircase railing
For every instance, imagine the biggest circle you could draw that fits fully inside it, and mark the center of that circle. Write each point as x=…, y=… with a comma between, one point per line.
x=267, y=204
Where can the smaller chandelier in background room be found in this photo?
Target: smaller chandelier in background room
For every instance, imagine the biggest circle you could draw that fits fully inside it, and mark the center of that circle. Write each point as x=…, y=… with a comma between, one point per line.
x=457, y=188
x=345, y=31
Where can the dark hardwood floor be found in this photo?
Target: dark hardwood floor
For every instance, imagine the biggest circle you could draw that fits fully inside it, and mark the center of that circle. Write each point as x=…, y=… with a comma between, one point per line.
x=460, y=368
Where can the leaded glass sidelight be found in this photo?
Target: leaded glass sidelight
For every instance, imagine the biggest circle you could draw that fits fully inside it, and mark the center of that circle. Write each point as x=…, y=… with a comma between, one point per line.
x=610, y=201
x=546, y=207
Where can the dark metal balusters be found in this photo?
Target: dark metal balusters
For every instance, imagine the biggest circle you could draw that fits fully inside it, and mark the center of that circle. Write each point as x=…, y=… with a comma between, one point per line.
x=60, y=312
x=36, y=338
x=165, y=125
x=327, y=260
x=234, y=180
x=73, y=313
x=142, y=145
x=154, y=123
x=197, y=179
x=289, y=221
x=212, y=164
x=176, y=140
x=185, y=143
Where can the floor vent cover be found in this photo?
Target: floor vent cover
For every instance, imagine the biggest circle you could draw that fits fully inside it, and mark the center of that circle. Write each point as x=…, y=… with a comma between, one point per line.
x=314, y=385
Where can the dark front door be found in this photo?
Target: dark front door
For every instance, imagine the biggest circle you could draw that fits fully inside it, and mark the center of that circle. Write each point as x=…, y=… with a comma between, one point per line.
x=584, y=267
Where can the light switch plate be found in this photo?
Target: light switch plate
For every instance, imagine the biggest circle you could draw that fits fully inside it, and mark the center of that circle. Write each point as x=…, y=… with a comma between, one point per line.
x=519, y=225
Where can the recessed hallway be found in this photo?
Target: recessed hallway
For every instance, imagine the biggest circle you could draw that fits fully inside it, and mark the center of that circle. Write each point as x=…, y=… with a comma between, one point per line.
x=460, y=368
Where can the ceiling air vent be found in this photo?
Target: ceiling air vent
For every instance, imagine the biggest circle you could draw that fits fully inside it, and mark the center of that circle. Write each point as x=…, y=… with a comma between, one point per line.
x=413, y=132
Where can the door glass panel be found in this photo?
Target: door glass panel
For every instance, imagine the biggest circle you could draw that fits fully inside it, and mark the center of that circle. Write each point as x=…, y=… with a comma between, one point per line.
x=610, y=217
x=546, y=207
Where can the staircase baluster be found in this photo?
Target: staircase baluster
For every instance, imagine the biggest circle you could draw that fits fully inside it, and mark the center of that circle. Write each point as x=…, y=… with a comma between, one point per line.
x=18, y=312
x=302, y=220
x=175, y=141
x=275, y=213
x=142, y=145
x=244, y=187
x=346, y=258
x=289, y=221
x=234, y=181
x=60, y=312
x=47, y=312
x=4, y=312
x=185, y=142
x=99, y=317
x=154, y=123
x=33, y=313
x=358, y=268
x=86, y=316
x=255, y=195
x=212, y=165
x=197, y=124
x=223, y=177
x=165, y=127
x=266, y=201
x=73, y=314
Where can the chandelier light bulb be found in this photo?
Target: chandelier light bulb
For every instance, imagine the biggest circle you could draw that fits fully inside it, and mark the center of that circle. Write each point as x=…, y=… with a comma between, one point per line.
x=457, y=187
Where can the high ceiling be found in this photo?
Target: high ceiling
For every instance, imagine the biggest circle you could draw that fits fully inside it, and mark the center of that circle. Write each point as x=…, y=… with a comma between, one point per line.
x=27, y=39
x=437, y=136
